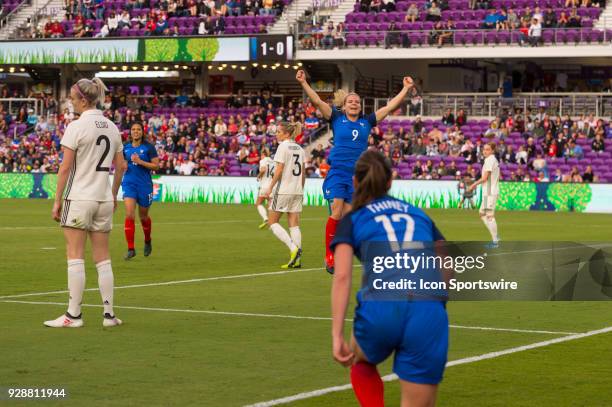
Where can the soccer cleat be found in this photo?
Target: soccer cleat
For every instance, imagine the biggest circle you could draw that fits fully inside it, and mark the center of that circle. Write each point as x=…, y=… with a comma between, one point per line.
x=492, y=245
x=329, y=264
x=294, y=254
x=264, y=225
x=65, y=321
x=148, y=248
x=111, y=320
x=297, y=263
x=131, y=253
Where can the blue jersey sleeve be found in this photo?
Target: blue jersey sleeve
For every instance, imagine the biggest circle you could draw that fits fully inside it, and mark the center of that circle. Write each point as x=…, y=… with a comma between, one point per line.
x=371, y=118
x=152, y=152
x=335, y=115
x=344, y=233
x=125, y=151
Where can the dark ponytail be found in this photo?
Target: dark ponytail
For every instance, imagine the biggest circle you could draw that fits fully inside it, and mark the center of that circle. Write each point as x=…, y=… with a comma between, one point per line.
x=372, y=173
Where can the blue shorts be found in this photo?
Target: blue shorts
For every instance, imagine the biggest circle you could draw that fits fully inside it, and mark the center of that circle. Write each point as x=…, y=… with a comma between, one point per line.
x=338, y=184
x=417, y=331
x=143, y=194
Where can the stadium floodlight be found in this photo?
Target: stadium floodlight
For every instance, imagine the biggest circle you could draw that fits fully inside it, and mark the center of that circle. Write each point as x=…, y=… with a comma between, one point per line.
x=273, y=67
x=300, y=64
x=12, y=69
x=165, y=68
x=124, y=68
x=1, y=69
x=255, y=64
x=210, y=67
x=286, y=66
x=134, y=68
x=234, y=66
x=295, y=67
x=145, y=67
x=264, y=66
x=114, y=68
x=243, y=67
x=224, y=65
x=21, y=69
x=156, y=67
x=176, y=67
x=103, y=67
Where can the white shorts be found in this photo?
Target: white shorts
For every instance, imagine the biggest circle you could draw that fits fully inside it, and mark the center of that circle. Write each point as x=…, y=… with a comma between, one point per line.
x=92, y=216
x=263, y=188
x=286, y=203
x=488, y=204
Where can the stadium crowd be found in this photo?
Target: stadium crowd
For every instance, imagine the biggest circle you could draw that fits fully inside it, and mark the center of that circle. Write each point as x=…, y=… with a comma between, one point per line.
x=104, y=18
x=242, y=130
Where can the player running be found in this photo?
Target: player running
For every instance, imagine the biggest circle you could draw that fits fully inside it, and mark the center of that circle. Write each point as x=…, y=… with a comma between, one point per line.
x=266, y=170
x=141, y=158
x=85, y=202
x=351, y=130
x=415, y=329
x=490, y=190
x=286, y=191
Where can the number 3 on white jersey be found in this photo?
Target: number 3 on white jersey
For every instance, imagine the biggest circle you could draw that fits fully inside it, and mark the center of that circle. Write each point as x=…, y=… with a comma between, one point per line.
x=391, y=235
x=355, y=134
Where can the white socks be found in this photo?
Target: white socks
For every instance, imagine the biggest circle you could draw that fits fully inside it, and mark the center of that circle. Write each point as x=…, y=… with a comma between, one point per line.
x=283, y=236
x=491, y=224
x=106, y=284
x=262, y=212
x=296, y=235
x=76, y=285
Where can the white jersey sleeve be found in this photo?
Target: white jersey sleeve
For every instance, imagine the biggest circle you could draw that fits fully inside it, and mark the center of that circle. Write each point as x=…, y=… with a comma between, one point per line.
x=95, y=141
x=291, y=155
x=491, y=187
x=267, y=165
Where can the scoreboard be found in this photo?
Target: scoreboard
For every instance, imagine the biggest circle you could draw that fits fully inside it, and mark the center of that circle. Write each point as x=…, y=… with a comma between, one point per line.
x=271, y=48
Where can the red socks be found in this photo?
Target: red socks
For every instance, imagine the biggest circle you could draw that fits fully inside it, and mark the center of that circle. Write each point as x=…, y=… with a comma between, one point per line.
x=367, y=385
x=330, y=232
x=129, y=232
x=146, y=228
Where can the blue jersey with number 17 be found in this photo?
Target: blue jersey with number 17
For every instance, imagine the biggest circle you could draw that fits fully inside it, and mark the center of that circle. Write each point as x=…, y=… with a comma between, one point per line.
x=350, y=138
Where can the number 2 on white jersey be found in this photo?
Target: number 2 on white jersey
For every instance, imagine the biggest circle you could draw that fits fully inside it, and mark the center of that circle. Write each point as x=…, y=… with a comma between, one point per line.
x=355, y=134
x=391, y=235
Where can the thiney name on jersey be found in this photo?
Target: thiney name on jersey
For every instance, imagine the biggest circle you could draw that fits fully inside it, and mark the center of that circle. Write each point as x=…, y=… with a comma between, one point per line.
x=387, y=204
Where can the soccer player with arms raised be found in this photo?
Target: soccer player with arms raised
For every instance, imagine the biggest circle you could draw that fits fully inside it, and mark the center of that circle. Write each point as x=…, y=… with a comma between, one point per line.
x=351, y=130
x=141, y=158
x=490, y=190
x=85, y=201
x=286, y=191
x=414, y=329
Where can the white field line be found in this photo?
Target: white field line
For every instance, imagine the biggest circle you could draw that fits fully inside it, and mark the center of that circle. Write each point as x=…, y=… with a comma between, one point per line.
x=252, y=314
x=201, y=222
x=164, y=283
x=391, y=377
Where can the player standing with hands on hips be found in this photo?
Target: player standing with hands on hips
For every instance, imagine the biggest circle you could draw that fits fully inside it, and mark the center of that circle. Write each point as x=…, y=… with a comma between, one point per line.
x=141, y=158
x=351, y=129
x=490, y=190
x=85, y=201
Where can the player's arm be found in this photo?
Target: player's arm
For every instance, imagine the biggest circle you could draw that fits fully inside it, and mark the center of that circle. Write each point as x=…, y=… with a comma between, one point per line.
x=262, y=171
x=314, y=97
x=120, y=166
x=341, y=290
x=278, y=172
x=62, y=178
x=153, y=165
x=484, y=178
x=396, y=101
x=303, y=174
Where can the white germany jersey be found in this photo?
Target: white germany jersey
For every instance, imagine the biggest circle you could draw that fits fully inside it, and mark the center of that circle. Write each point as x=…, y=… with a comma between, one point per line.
x=491, y=187
x=268, y=164
x=291, y=155
x=95, y=141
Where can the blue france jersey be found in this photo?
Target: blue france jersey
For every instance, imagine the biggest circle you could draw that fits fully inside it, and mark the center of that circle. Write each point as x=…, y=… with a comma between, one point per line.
x=137, y=174
x=385, y=219
x=350, y=138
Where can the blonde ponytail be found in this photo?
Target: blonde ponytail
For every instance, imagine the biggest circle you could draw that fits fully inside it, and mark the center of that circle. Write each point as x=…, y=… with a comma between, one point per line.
x=294, y=129
x=91, y=90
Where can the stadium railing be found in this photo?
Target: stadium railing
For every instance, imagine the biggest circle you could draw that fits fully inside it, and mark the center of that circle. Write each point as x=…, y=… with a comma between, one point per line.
x=6, y=19
x=14, y=104
x=490, y=104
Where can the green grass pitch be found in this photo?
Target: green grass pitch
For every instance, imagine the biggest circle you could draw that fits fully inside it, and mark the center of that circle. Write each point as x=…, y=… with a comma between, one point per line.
x=235, y=341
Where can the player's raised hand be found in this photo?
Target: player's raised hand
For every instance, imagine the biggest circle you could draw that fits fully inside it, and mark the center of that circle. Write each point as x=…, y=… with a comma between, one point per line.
x=301, y=76
x=342, y=352
x=408, y=82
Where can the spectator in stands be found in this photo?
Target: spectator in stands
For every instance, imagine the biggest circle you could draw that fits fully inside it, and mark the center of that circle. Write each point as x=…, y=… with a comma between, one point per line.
x=512, y=21
x=448, y=119
x=572, y=3
x=311, y=122
x=434, y=13
x=480, y=4
x=412, y=14
x=392, y=36
x=563, y=20
x=447, y=33
x=57, y=30
x=339, y=35
x=364, y=6
x=376, y=6
x=328, y=32
x=598, y=144
x=491, y=19
x=574, y=19
x=113, y=23
x=502, y=20
x=268, y=8
x=124, y=20
x=588, y=175
x=535, y=33
x=389, y=5
x=550, y=18
x=527, y=15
